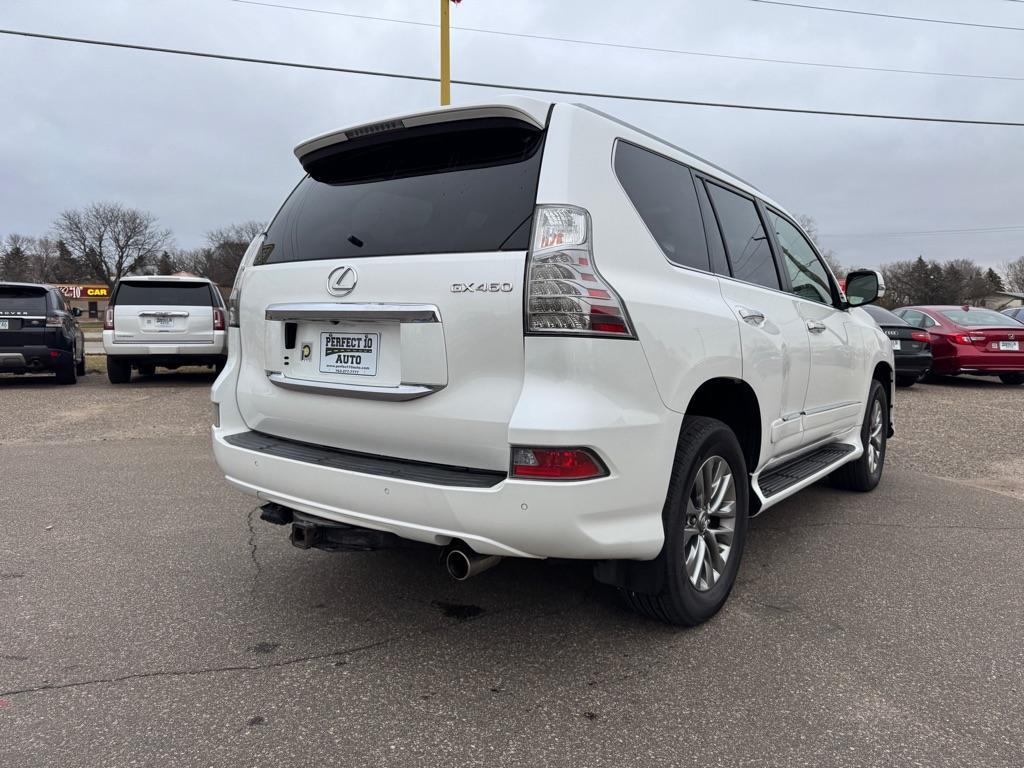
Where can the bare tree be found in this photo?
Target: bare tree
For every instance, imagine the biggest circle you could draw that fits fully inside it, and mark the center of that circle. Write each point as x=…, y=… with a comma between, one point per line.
x=810, y=226
x=110, y=239
x=226, y=247
x=1014, y=272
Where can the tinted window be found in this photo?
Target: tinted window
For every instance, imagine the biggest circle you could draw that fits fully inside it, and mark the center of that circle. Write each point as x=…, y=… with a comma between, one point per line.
x=164, y=294
x=460, y=187
x=883, y=316
x=662, y=192
x=22, y=300
x=745, y=238
x=807, y=275
x=912, y=316
x=977, y=317
x=719, y=264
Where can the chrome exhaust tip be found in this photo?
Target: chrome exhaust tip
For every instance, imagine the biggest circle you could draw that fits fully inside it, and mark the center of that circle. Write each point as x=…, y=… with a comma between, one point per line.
x=463, y=563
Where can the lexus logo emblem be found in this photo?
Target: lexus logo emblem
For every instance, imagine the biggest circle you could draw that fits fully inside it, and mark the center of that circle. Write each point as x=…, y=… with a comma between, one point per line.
x=342, y=281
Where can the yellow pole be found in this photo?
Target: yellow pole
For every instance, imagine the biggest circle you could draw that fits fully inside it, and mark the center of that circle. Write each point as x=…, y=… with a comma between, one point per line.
x=446, y=62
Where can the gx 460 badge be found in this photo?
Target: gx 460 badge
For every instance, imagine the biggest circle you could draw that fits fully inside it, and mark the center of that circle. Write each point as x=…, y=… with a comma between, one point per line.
x=481, y=287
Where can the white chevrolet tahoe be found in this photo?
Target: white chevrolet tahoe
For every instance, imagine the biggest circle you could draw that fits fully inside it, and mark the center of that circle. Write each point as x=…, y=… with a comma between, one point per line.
x=526, y=329
x=163, y=321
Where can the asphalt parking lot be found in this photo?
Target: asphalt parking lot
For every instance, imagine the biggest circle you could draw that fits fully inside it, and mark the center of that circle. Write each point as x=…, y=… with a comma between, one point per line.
x=150, y=618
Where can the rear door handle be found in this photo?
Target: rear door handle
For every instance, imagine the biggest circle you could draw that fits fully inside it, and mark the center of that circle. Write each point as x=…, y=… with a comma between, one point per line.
x=751, y=316
x=815, y=327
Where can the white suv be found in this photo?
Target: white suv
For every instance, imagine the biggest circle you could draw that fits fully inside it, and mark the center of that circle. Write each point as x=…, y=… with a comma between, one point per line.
x=527, y=329
x=163, y=321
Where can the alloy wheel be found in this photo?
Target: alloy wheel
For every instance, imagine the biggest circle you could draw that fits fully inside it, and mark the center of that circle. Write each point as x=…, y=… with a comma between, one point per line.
x=710, y=523
x=875, y=437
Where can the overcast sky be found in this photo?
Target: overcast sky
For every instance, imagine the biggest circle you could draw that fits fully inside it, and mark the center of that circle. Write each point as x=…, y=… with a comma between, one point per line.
x=204, y=143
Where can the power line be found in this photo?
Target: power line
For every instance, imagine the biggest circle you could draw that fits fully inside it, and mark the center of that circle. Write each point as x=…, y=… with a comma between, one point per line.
x=976, y=230
x=511, y=87
x=794, y=62
x=888, y=15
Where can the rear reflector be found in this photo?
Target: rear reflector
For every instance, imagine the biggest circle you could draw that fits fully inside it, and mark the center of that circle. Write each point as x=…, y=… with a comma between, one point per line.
x=565, y=293
x=556, y=464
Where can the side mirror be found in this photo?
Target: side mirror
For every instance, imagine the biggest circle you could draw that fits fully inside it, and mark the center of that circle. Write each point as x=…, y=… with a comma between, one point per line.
x=76, y=311
x=863, y=287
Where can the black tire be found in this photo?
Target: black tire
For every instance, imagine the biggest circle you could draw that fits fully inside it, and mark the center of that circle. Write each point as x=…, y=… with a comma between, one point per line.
x=118, y=371
x=1013, y=379
x=907, y=380
x=147, y=370
x=67, y=371
x=80, y=367
x=680, y=601
x=859, y=475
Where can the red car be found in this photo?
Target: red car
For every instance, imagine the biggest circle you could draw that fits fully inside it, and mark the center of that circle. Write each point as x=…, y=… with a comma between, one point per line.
x=971, y=340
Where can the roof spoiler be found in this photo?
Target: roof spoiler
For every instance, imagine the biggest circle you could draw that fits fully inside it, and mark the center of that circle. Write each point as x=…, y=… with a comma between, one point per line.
x=531, y=111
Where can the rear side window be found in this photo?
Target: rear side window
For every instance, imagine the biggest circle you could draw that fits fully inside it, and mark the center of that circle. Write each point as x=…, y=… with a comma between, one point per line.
x=20, y=300
x=154, y=293
x=745, y=239
x=459, y=187
x=913, y=317
x=883, y=316
x=807, y=275
x=663, y=194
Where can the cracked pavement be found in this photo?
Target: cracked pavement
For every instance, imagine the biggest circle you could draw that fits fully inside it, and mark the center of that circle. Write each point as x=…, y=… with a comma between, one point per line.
x=149, y=618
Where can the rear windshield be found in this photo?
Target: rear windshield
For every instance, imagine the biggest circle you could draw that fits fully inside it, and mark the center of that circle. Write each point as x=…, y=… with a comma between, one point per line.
x=883, y=316
x=976, y=318
x=22, y=301
x=164, y=294
x=460, y=187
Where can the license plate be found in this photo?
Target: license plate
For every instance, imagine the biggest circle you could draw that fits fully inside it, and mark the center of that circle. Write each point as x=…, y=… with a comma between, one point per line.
x=1009, y=346
x=896, y=344
x=5, y=325
x=164, y=322
x=349, y=354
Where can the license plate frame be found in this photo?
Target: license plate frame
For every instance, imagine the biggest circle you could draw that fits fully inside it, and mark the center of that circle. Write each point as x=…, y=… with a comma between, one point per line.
x=896, y=345
x=1009, y=346
x=356, y=353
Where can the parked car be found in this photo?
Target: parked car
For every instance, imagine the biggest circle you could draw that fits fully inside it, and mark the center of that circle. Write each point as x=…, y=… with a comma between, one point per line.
x=911, y=346
x=39, y=332
x=527, y=329
x=163, y=321
x=971, y=340
x=1017, y=313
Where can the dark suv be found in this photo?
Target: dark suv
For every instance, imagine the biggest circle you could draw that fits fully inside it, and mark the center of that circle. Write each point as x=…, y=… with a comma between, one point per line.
x=39, y=332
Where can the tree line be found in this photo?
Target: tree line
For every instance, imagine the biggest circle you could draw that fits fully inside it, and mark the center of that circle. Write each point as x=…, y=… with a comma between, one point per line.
x=104, y=241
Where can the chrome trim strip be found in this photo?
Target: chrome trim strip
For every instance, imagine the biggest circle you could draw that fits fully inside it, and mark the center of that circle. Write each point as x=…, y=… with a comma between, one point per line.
x=163, y=313
x=404, y=313
x=363, y=392
x=22, y=317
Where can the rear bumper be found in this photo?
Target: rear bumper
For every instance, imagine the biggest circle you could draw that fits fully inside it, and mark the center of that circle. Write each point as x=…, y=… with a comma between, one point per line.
x=31, y=359
x=912, y=363
x=169, y=350
x=985, y=363
x=594, y=519
x=614, y=517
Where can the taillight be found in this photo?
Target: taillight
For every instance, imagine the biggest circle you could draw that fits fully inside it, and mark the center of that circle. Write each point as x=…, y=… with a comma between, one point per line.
x=565, y=294
x=108, y=319
x=236, y=287
x=920, y=336
x=556, y=464
x=54, y=321
x=968, y=338
x=218, y=319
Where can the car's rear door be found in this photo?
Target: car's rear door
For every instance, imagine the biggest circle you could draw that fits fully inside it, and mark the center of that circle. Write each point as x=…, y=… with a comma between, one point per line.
x=383, y=313
x=175, y=311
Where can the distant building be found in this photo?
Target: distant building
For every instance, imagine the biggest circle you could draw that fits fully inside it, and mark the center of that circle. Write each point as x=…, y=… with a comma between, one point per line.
x=91, y=299
x=1002, y=300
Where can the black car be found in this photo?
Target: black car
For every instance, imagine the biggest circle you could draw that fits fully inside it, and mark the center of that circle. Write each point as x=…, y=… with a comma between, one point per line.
x=911, y=346
x=39, y=332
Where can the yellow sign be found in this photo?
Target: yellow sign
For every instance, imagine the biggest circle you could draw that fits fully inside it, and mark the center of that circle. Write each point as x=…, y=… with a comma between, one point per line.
x=84, y=292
